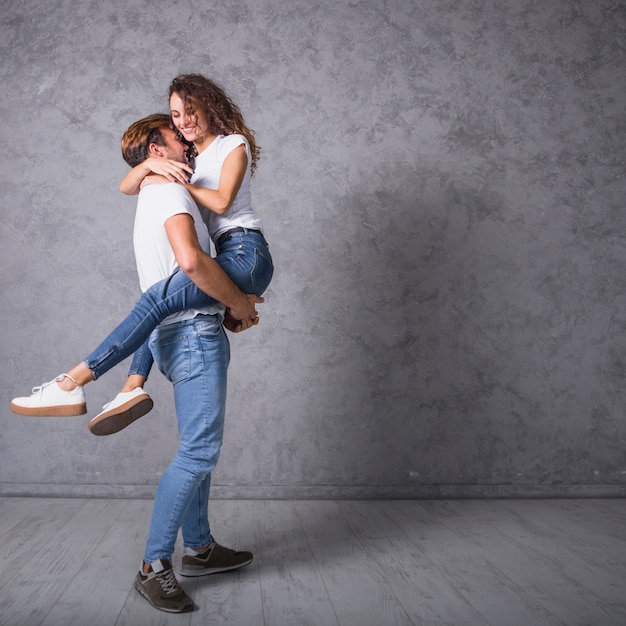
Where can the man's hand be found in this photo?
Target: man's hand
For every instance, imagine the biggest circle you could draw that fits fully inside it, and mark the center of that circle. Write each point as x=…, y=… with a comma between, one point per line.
x=246, y=311
x=236, y=326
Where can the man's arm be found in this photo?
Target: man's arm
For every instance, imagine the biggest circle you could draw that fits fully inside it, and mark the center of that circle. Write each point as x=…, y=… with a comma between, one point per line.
x=205, y=272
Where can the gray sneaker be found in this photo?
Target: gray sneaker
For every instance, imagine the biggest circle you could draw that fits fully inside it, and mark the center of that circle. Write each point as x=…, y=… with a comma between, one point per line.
x=161, y=589
x=213, y=560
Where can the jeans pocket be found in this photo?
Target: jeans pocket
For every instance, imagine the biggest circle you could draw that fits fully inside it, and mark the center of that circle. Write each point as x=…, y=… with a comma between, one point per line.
x=173, y=356
x=210, y=327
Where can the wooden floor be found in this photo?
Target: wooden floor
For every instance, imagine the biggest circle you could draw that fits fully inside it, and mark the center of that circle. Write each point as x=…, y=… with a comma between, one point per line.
x=359, y=563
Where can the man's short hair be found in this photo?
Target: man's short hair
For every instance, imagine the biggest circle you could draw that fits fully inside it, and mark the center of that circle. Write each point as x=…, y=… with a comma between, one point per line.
x=137, y=139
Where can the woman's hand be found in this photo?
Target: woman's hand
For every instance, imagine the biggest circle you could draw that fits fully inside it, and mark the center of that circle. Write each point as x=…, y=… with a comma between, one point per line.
x=174, y=171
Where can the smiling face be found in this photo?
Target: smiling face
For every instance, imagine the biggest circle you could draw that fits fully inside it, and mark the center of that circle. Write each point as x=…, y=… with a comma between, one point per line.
x=191, y=122
x=174, y=147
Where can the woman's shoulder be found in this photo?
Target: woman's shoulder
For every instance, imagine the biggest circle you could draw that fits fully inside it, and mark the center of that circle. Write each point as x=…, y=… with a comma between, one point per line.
x=233, y=140
x=227, y=143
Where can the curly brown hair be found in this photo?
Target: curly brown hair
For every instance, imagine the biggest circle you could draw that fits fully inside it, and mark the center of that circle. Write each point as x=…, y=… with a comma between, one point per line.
x=223, y=115
x=140, y=134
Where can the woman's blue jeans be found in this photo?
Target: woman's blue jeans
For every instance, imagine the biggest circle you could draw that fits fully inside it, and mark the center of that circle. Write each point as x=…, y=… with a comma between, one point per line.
x=194, y=356
x=245, y=257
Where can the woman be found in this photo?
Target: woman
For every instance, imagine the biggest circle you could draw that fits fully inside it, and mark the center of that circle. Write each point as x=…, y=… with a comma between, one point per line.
x=226, y=155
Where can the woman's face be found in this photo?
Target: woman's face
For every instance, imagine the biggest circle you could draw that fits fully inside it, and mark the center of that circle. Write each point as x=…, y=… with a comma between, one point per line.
x=192, y=124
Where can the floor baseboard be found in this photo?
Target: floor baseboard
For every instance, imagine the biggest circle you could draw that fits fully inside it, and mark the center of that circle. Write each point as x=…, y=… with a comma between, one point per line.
x=325, y=492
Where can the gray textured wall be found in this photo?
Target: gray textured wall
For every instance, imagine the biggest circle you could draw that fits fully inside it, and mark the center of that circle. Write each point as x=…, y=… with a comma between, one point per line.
x=442, y=184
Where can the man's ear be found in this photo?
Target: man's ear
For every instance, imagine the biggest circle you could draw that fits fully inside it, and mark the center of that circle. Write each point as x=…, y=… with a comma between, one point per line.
x=155, y=150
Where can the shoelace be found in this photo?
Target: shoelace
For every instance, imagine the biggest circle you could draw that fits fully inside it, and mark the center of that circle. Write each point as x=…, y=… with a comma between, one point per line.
x=59, y=378
x=168, y=582
x=41, y=387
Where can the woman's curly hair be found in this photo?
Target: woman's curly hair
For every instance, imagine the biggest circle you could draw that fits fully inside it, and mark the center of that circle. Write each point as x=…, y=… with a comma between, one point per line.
x=223, y=115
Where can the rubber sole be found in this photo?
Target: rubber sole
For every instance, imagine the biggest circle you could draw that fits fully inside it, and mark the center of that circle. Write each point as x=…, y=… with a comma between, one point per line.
x=110, y=422
x=192, y=571
x=68, y=410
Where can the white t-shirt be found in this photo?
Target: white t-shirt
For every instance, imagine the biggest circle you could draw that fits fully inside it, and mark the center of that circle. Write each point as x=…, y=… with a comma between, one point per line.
x=208, y=168
x=153, y=253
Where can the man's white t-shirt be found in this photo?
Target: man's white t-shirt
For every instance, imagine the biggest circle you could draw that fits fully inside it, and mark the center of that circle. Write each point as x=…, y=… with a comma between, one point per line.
x=153, y=253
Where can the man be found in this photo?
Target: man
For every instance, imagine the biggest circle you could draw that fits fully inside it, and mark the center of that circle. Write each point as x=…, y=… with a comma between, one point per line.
x=193, y=353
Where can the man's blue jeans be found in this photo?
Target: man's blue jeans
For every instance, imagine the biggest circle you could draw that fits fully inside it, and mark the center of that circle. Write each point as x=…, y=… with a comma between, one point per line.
x=246, y=259
x=194, y=356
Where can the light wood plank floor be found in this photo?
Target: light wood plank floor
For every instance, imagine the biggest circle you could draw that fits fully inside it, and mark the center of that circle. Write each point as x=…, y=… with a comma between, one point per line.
x=72, y=562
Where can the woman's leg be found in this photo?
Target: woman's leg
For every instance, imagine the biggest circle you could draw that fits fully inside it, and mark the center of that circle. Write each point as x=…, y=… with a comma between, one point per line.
x=247, y=261
x=132, y=402
x=140, y=366
x=172, y=295
x=246, y=258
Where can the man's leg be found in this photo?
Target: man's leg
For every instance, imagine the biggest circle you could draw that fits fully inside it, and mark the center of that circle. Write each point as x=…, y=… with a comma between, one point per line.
x=203, y=555
x=194, y=356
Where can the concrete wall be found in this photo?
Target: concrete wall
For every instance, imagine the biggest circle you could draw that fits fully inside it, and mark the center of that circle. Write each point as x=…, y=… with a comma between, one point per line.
x=442, y=186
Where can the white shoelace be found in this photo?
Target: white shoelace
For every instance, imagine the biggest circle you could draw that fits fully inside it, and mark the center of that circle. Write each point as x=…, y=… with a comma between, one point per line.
x=168, y=582
x=58, y=379
x=41, y=387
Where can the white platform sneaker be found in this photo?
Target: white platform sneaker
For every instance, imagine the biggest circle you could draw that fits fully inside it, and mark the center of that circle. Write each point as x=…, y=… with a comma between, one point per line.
x=124, y=409
x=49, y=400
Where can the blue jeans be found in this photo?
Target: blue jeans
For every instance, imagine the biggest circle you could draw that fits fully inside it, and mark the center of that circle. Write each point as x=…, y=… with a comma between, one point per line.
x=194, y=356
x=245, y=257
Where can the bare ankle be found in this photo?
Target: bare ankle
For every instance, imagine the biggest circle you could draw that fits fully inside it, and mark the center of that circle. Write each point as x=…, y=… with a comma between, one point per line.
x=134, y=381
x=66, y=383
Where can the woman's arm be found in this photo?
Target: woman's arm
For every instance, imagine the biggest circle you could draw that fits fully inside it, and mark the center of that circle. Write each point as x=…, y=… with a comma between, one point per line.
x=174, y=171
x=221, y=199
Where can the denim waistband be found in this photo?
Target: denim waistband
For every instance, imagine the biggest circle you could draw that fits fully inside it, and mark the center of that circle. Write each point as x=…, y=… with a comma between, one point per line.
x=239, y=229
x=192, y=320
